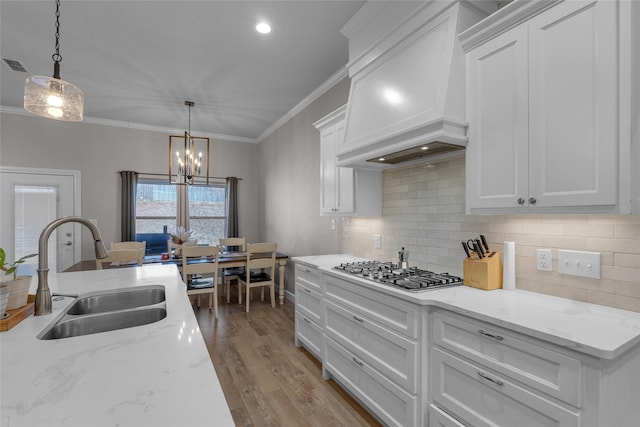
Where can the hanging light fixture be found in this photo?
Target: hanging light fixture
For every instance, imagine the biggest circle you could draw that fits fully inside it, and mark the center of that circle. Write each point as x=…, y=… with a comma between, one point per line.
x=50, y=96
x=186, y=155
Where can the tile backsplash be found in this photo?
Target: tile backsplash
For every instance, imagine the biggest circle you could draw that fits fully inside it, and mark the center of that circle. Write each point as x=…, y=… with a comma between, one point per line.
x=423, y=211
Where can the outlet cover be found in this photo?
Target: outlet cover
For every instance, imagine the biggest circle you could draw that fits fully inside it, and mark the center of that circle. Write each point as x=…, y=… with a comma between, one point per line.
x=543, y=260
x=579, y=263
x=377, y=241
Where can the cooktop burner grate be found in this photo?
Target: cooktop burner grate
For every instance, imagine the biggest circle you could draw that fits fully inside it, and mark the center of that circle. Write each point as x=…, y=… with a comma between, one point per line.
x=410, y=279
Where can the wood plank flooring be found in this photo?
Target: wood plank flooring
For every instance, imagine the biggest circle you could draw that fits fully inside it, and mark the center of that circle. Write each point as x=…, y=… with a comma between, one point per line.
x=266, y=379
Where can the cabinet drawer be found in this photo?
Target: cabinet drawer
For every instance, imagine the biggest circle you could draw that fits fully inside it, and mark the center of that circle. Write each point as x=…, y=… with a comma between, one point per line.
x=390, y=312
x=309, y=302
x=309, y=334
x=391, y=354
x=530, y=361
x=479, y=397
x=309, y=276
x=439, y=418
x=386, y=400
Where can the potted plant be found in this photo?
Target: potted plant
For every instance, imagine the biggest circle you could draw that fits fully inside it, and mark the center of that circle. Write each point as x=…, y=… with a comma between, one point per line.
x=18, y=285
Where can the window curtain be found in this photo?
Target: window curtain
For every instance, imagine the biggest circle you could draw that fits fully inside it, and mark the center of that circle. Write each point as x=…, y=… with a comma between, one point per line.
x=182, y=219
x=128, y=206
x=232, y=207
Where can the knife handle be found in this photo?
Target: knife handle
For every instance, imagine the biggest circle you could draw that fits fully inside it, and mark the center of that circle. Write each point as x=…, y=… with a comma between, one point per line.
x=484, y=242
x=479, y=244
x=466, y=249
x=478, y=250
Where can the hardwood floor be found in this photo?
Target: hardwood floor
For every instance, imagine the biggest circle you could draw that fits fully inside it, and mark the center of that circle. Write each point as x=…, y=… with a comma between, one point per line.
x=266, y=379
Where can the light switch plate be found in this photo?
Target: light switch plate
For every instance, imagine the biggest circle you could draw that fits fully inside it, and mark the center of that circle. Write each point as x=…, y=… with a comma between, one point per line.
x=579, y=263
x=377, y=241
x=333, y=223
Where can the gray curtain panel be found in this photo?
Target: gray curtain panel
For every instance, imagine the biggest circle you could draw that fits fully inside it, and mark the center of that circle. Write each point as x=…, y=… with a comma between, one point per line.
x=128, y=203
x=232, y=207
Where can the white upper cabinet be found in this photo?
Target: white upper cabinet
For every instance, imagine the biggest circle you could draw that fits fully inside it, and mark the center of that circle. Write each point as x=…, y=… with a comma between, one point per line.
x=344, y=191
x=542, y=104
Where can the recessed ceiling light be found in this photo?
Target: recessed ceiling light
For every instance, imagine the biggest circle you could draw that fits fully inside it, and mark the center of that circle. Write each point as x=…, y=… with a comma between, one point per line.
x=424, y=148
x=381, y=159
x=263, y=28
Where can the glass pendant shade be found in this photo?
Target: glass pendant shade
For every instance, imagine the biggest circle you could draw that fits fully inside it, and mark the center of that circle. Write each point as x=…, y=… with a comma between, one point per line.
x=53, y=98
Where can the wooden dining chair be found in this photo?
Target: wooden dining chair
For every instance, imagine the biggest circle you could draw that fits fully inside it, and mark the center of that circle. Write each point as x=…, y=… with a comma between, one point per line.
x=232, y=244
x=121, y=256
x=201, y=261
x=260, y=271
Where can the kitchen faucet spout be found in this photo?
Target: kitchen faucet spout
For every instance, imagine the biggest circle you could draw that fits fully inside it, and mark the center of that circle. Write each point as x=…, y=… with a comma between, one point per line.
x=43, y=294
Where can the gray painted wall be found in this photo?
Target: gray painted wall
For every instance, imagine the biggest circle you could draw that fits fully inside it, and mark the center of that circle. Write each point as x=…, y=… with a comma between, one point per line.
x=289, y=163
x=99, y=151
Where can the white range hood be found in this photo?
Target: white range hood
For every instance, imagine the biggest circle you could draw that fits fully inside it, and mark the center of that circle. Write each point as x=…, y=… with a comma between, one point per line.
x=407, y=72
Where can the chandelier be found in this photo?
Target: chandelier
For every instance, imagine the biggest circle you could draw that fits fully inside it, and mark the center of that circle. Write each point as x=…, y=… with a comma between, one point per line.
x=186, y=154
x=50, y=96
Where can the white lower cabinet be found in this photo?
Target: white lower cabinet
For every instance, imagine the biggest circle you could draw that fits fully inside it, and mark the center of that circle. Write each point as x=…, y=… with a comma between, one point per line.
x=481, y=374
x=372, y=349
x=479, y=397
x=389, y=402
x=309, y=312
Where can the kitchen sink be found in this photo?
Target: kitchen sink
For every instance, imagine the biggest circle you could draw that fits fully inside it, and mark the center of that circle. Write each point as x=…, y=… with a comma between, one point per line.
x=117, y=299
x=108, y=311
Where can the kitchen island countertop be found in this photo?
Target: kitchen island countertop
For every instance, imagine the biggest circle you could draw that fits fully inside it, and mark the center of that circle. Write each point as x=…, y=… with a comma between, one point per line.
x=592, y=329
x=152, y=375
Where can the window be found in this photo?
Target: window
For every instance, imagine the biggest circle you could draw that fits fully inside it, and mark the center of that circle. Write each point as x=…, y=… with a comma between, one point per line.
x=156, y=210
x=207, y=213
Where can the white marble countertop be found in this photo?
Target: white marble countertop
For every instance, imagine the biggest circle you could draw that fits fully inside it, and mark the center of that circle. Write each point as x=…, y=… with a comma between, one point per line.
x=588, y=328
x=152, y=375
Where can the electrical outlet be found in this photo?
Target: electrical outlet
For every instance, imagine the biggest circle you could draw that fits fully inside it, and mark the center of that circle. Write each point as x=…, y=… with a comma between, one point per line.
x=377, y=241
x=579, y=263
x=543, y=259
x=333, y=223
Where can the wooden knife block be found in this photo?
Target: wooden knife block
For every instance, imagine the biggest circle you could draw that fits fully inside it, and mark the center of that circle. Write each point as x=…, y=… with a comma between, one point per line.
x=485, y=273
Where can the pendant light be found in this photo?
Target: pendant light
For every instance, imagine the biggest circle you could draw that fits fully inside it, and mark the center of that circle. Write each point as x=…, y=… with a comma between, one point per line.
x=50, y=96
x=188, y=151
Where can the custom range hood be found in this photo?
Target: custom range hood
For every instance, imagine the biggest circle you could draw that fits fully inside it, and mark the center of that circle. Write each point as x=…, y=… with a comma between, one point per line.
x=407, y=71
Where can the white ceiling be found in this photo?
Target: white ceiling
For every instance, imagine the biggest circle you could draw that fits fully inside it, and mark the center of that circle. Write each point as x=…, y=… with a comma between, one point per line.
x=138, y=61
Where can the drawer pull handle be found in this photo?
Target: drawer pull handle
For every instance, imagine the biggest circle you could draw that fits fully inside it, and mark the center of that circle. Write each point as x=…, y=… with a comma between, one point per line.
x=488, y=378
x=307, y=271
x=358, y=319
x=487, y=334
x=307, y=290
x=357, y=362
x=306, y=320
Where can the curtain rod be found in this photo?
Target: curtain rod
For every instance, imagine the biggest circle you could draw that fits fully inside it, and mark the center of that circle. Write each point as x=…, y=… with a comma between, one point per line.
x=166, y=174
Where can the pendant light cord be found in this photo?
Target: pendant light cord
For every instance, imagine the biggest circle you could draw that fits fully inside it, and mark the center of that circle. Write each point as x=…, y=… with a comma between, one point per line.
x=57, y=58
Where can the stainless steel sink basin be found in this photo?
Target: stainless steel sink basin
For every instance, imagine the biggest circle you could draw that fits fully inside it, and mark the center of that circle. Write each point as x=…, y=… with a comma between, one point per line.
x=108, y=311
x=117, y=300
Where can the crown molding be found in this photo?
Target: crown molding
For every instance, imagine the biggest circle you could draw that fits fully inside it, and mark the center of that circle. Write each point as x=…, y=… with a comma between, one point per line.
x=136, y=126
x=308, y=100
x=319, y=91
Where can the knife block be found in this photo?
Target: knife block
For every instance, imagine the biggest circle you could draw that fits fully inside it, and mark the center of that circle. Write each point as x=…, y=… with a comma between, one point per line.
x=485, y=273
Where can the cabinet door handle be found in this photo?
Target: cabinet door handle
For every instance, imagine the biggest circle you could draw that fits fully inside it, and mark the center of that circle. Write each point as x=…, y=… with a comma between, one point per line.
x=358, y=319
x=532, y=200
x=306, y=320
x=357, y=362
x=520, y=201
x=488, y=378
x=307, y=290
x=487, y=334
x=307, y=271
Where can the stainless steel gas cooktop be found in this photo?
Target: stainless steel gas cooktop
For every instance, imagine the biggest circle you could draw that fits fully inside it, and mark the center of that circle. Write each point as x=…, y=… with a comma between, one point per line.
x=410, y=279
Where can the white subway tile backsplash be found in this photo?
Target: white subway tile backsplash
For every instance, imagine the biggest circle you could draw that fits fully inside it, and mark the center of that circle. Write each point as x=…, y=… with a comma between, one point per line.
x=423, y=210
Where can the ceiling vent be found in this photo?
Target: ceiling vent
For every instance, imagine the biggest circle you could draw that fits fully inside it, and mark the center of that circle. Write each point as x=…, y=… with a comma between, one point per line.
x=15, y=65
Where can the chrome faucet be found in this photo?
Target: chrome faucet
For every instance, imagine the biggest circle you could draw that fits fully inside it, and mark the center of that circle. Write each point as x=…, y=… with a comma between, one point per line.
x=43, y=294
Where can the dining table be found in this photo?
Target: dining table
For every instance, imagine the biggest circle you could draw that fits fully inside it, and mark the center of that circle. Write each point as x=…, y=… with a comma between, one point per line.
x=225, y=260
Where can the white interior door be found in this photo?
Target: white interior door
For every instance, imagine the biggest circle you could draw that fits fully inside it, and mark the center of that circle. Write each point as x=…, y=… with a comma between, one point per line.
x=31, y=199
